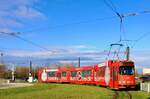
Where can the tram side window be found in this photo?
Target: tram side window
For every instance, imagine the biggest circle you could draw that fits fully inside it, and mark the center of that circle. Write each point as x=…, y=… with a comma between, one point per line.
x=64, y=74
x=102, y=71
x=86, y=73
x=51, y=74
x=126, y=70
x=73, y=74
x=83, y=73
x=89, y=72
x=98, y=73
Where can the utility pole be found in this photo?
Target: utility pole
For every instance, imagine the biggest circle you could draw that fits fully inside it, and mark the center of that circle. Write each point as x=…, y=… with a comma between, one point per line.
x=127, y=53
x=1, y=54
x=30, y=73
x=79, y=62
x=13, y=73
x=30, y=69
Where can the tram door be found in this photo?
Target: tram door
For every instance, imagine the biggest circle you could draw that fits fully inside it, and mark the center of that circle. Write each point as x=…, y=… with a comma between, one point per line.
x=59, y=76
x=114, y=75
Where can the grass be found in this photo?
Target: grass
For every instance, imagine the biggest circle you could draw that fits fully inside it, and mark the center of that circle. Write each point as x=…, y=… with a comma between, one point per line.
x=135, y=95
x=140, y=95
x=56, y=91
x=64, y=91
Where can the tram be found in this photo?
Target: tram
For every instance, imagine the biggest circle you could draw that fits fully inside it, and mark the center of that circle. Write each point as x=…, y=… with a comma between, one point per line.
x=115, y=74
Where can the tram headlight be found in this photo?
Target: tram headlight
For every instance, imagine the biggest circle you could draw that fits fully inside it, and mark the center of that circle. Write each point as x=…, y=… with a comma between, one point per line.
x=119, y=82
x=123, y=82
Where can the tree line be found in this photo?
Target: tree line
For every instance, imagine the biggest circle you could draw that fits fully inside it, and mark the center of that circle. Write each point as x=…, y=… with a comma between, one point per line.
x=20, y=72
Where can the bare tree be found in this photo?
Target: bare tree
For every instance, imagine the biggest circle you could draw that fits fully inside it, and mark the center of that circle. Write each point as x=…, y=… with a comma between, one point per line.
x=2, y=70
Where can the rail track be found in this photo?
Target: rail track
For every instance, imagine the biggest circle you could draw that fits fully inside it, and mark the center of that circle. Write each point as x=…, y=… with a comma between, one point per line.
x=127, y=96
x=116, y=95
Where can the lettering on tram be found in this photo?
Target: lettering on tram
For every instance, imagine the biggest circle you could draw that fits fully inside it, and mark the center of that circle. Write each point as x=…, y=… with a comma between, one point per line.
x=79, y=75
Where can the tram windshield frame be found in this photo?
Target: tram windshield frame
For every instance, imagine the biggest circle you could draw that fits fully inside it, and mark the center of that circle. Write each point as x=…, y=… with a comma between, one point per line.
x=126, y=70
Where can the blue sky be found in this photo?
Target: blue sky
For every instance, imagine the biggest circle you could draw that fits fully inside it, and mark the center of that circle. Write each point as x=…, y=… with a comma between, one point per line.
x=41, y=21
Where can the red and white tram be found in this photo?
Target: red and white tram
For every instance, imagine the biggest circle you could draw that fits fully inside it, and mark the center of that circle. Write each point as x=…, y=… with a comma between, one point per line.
x=115, y=74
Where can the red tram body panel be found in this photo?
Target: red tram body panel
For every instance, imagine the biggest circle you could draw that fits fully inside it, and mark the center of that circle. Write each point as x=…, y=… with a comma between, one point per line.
x=64, y=75
x=84, y=75
x=114, y=74
x=48, y=75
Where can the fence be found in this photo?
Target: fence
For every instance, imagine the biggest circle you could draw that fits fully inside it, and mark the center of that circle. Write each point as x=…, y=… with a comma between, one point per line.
x=145, y=87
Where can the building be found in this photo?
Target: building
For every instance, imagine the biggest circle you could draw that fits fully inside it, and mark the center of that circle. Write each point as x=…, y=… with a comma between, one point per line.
x=146, y=71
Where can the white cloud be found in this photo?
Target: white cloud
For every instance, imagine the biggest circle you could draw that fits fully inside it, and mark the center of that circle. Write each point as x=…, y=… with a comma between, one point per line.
x=6, y=23
x=5, y=30
x=141, y=58
x=61, y=52
x=70, y=54
x=12, y=12
x=9, y=4
x=90, y=62
x=28, y=13
x=23, y=53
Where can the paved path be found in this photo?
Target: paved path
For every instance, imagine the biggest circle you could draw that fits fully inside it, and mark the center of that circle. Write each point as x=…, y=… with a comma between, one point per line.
x=14, y=85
